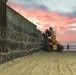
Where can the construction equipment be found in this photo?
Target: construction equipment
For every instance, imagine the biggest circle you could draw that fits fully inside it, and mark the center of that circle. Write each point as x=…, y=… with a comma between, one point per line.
x=49, y=41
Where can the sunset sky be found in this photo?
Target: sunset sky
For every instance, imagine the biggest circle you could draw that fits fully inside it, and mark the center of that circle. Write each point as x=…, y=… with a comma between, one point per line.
x=59, y=14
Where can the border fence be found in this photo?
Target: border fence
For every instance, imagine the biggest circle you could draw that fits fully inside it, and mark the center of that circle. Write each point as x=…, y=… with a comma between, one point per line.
x=18, y=36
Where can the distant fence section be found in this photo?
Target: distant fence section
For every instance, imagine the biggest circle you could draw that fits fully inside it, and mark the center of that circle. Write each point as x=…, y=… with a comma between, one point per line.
x=19, y=38
x=71, y=48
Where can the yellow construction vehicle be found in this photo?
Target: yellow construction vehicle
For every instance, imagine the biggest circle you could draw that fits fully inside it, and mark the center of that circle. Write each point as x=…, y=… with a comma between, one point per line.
x=49, y=41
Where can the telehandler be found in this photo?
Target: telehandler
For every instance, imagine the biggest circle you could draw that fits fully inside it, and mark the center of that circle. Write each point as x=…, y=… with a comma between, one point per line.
x=49, y=41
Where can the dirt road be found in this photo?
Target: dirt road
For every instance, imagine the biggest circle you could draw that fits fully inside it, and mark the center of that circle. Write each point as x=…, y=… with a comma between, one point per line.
x=42, y=63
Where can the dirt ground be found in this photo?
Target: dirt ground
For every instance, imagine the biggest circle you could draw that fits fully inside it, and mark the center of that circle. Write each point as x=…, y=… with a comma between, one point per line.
x=42, y=63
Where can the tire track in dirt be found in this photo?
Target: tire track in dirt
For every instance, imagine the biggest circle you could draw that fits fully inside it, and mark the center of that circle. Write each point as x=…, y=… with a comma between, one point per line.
x=69, y=68
x=55, y=68
x=38, y=67
x=65, y=69
x=15, y=68
x=43, y=63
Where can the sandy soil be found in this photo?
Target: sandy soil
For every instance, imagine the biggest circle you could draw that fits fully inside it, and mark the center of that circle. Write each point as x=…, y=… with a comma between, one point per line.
x=42, y=63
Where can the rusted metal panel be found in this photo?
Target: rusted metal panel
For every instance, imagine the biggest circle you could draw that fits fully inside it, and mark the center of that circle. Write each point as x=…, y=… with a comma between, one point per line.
x=3, y=13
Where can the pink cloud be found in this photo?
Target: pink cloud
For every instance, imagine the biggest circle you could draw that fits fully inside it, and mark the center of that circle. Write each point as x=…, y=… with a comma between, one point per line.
x=67, y=38
x=47, y=19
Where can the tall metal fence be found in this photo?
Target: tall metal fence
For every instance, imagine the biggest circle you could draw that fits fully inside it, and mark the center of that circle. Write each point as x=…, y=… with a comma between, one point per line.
x=18, y=41
x=14, y=44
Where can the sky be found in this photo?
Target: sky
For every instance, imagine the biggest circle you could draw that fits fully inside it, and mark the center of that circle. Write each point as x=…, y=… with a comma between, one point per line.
x=59, y=14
